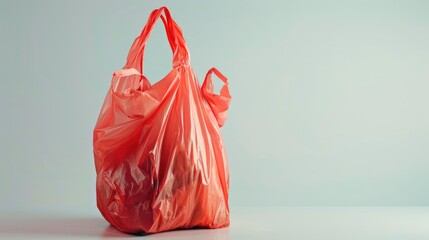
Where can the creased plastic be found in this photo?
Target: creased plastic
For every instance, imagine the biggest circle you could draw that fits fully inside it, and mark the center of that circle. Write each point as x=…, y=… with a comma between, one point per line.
x=159, y=155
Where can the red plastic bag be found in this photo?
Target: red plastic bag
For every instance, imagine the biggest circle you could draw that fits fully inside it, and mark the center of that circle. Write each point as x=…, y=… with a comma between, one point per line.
x=159, y=155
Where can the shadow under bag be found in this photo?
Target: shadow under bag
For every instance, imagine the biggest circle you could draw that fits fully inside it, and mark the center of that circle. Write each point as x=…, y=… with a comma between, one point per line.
x=159, y=154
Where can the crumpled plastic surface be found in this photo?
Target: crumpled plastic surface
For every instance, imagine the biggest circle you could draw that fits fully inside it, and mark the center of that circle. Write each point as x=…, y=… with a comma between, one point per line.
x=159, y=155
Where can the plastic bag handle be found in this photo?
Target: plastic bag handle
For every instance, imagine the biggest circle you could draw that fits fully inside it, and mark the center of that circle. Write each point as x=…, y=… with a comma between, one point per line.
x=175, y=38
x=219, y=103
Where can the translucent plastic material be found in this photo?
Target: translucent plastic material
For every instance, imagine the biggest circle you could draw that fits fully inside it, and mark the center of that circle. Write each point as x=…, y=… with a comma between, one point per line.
x=159, y=155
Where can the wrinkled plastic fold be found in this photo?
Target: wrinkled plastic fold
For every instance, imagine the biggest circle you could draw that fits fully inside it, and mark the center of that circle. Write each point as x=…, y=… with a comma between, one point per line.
x=159, y=155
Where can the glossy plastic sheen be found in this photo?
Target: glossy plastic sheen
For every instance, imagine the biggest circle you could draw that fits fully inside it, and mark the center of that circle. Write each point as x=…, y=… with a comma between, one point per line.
x=159, y=155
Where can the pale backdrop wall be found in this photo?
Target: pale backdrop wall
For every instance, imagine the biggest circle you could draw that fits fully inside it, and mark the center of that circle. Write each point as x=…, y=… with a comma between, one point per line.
x=330, y=98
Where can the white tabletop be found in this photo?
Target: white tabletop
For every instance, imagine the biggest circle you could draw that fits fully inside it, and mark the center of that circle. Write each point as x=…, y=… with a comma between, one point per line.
x=345, y=223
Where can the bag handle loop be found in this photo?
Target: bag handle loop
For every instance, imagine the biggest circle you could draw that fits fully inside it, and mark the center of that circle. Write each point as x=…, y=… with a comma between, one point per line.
x=174, y=35
x=219, y=103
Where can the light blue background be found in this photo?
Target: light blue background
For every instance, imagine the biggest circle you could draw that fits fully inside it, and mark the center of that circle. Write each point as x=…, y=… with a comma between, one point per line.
x=330, y=98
